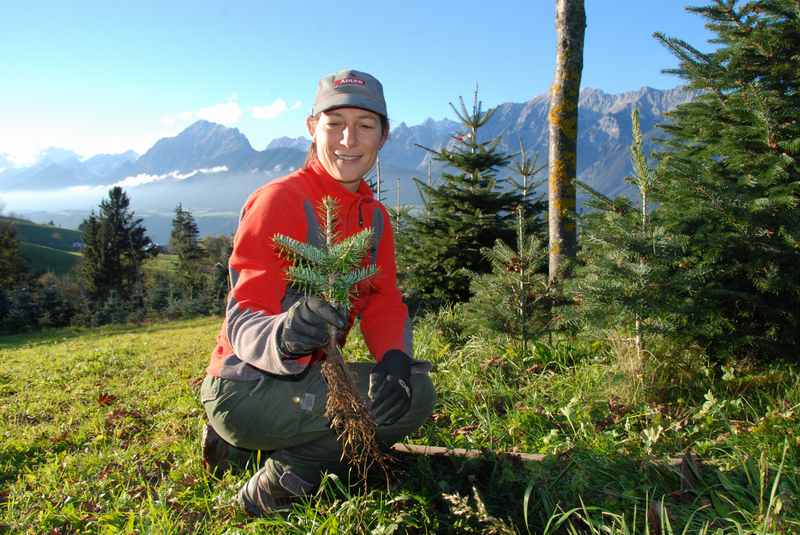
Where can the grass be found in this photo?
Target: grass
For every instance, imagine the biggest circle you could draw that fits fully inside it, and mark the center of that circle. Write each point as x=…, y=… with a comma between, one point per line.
x=100, y=433
x=46, y=235
x=163, y=264
x=48, y=259
x=46, y=248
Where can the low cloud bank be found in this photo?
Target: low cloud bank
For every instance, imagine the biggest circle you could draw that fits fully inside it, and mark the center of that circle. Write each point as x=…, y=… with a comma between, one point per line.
x=82, y=196
x=143, y=178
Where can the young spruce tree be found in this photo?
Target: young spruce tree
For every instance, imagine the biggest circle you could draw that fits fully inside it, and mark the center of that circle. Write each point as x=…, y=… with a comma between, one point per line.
x=627, y=281
x=184, y=242
x=516, y=298
x=731, y=182
x=466, y=212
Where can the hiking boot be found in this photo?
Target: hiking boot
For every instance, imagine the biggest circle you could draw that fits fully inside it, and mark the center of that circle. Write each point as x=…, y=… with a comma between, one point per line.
x=273, y=489
x=219, y=456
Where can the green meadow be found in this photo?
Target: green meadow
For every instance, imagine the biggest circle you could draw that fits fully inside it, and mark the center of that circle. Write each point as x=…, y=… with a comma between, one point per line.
x=101, y=434
x=43, y=259
x=46, y=235
x=46, y=249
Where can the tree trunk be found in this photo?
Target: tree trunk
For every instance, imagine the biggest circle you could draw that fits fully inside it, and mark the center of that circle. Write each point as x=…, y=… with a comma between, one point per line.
x=563, y=119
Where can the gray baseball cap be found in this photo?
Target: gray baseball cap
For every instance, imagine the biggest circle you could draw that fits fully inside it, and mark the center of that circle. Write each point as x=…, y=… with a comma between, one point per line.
x=349, y=88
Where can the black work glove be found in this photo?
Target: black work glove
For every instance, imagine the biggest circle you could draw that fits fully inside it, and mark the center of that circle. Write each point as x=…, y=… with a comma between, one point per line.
x=306, y=325
x=390, y=387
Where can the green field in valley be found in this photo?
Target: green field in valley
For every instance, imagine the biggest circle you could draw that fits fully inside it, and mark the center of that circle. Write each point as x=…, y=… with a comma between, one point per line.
x=46, y=235
x=163, y=264
x=46, y=248
x=100, y=434
x=42, y=259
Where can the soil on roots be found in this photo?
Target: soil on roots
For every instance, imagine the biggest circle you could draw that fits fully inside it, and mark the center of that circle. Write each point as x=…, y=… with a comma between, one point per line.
x=350, y=419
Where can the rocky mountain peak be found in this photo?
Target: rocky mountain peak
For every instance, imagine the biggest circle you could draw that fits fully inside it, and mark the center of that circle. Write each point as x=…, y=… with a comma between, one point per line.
x=208, y=133
x=202, y=144
x=55, y=155
x=649, y=100
x=299, y=143
x=205, y=153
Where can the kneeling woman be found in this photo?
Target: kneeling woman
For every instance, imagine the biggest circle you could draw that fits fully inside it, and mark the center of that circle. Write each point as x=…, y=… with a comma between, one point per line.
x=264, y=389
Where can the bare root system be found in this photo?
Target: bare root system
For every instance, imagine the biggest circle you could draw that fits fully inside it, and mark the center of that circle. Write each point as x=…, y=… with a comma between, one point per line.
x=350, y=419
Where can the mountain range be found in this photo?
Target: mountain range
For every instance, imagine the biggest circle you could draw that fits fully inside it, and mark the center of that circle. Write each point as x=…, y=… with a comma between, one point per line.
x=210, y=168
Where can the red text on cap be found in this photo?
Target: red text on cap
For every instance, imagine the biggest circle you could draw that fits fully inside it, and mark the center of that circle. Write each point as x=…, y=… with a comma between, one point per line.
x=348, y=81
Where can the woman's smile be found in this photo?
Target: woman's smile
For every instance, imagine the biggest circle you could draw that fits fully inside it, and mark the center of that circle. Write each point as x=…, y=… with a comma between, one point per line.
x=347, y=143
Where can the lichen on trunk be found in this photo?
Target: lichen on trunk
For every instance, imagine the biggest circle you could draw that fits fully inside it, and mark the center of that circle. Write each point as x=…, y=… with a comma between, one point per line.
x=563, y=122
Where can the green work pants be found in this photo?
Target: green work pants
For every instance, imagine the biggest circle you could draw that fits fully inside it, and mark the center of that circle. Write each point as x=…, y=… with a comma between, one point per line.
x=285, y=415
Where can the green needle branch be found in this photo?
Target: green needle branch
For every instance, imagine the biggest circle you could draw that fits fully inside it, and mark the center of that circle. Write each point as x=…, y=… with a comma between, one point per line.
x=332, y=272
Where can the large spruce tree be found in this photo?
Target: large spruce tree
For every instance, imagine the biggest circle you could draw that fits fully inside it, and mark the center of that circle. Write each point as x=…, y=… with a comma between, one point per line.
x=731, y=180
x=184, y=242
x=16, y=307
x=184, y=238
x=115, y=245
x=217, y=251
x=466, y=212
x=12, y=264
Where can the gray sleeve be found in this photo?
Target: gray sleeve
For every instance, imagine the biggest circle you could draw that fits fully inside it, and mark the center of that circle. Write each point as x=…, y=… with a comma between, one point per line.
x=254, y=337
x=254, y=334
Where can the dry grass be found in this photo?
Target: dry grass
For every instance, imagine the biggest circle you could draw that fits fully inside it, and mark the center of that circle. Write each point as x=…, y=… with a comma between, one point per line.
x=629, y=366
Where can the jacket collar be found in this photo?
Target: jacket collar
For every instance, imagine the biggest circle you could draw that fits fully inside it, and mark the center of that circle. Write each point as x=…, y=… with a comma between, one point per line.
x=332, y=186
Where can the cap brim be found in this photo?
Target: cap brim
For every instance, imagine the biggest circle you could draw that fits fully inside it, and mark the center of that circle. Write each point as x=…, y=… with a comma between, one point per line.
x=350, y=100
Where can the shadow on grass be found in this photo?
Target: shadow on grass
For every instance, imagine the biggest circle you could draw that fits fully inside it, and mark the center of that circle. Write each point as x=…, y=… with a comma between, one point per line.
x=488, y=494
x=586, y=489
x=49, y=336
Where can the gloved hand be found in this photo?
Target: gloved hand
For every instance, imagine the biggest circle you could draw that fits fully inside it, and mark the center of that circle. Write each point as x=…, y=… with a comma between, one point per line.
x=306, y=325
x=390, y=387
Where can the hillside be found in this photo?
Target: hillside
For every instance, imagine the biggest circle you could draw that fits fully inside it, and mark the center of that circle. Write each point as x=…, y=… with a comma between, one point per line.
x=46, y=248
x=42, y=259
x=45, y=235
x=162, y=264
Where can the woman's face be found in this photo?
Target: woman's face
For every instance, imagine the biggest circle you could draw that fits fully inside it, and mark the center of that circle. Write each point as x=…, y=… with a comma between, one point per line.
x=347, y=141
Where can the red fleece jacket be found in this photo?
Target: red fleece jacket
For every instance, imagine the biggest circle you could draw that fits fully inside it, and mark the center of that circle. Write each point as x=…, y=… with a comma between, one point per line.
x=260, y=295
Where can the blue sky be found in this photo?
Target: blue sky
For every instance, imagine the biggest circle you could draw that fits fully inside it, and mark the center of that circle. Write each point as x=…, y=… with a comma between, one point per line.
x=106, y=76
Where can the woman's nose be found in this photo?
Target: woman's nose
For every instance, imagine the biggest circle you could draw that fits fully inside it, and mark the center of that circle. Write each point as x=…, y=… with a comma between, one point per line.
x=349, y=136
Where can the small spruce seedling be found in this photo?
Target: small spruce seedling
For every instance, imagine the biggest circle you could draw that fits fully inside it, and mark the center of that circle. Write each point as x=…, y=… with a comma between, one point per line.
x=331, y=272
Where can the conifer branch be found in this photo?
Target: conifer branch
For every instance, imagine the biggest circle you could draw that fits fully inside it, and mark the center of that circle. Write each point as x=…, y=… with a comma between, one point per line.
x=332, y=272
